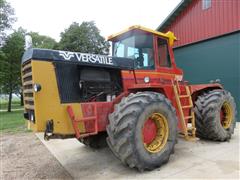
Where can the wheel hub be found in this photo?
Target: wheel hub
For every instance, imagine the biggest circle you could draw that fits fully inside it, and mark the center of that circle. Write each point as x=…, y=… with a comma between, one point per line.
x=149, y=131
x=226, y=115
x=155, y=133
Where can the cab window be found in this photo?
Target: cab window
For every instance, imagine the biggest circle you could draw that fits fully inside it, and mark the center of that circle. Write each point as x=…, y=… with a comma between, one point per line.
x=163, y=53
x=138, y=47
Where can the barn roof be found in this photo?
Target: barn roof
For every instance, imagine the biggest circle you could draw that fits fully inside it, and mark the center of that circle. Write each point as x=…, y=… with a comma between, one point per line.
x=172, y=16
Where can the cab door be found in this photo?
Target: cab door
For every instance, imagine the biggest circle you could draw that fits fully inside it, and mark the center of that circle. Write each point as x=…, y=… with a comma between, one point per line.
x=164, y=59
x=145, y=59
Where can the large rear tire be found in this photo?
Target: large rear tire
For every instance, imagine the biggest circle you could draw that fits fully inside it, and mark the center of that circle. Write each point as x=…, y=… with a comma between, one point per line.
x=215, y=115
x=129, y=131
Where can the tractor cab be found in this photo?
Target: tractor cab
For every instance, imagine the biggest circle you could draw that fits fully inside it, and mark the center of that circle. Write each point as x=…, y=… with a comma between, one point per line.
x=151, y=52
x=136, y=45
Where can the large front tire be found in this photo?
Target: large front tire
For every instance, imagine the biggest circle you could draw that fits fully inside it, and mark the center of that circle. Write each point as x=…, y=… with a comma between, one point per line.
x=215, y=115
x=129, y=138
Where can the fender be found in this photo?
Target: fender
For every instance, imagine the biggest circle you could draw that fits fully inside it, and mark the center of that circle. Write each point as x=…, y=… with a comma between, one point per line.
x=200, y=88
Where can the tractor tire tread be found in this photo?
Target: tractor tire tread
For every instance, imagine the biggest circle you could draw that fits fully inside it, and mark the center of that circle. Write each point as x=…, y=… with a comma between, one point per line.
x=207, y=107
x=122, y=125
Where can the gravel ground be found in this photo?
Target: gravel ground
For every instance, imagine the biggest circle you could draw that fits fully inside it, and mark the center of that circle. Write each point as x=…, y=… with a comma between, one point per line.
x=23, y=156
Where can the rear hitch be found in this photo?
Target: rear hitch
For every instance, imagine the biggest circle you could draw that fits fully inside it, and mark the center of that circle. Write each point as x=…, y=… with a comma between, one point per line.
x=49, y=130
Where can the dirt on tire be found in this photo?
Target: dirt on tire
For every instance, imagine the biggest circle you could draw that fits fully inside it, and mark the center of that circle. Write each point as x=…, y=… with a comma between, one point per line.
x=23, y=156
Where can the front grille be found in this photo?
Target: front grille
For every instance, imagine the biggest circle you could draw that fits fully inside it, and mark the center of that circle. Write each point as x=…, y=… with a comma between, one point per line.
x=27, y=86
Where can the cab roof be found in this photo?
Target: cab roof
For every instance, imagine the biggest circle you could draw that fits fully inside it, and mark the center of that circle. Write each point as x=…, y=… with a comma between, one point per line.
x=169, y=35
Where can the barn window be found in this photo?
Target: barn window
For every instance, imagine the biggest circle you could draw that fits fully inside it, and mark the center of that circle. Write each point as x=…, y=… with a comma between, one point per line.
x=206, y=4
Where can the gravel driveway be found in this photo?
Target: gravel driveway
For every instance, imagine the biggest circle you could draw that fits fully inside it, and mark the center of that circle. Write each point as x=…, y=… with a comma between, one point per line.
x=23, y=156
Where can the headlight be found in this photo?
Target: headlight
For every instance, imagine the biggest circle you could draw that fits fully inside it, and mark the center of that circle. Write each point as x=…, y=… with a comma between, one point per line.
x=146, y=79
x=32, y=117
x=36, y=87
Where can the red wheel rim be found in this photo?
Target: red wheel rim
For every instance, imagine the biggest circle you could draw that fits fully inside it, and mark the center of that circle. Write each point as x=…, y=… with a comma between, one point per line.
x=149, y=131
x=155, y=133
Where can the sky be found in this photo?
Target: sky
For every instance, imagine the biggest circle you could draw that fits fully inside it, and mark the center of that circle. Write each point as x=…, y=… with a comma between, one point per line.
x=51, y=17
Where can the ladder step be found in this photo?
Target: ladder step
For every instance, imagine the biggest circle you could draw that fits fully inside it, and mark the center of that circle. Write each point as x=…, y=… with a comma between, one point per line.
x=76, y=121
x=185, y=107
x=188, y=117
x=191, y=128
x=187, y=131
x=184, y=96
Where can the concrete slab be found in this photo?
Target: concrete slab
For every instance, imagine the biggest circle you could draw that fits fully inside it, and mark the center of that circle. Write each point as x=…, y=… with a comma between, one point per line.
x=201, y=159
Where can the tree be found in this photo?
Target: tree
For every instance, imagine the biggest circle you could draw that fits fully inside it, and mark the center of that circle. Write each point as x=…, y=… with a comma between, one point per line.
x=10, y=60
x=83, y=38
x=41, y=41
x=6, y=19
x=10, y=63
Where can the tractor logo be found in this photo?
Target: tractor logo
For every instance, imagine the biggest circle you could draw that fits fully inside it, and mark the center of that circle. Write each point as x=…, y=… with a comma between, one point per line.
x=66, y=55
x=88, y=58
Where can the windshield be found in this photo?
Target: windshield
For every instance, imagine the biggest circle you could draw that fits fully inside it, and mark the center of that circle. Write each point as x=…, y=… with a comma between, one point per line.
x=138, y=47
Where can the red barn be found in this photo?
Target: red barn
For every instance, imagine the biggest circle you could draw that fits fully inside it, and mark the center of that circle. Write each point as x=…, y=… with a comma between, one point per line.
x=208, y=45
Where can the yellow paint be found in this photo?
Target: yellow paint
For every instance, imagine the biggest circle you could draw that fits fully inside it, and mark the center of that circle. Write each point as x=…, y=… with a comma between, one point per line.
x=160, y=141
x=47, y=101
x=188, y=132
x=182, y=119
x=28, y=124
x=169, y=35
x=228, y=115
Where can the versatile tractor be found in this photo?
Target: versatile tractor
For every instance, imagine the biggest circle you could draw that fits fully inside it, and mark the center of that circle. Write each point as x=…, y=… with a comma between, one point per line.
x=136, y=100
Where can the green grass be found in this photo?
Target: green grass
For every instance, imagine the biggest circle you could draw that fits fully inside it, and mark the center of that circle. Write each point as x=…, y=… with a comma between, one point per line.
x=12, y=121
x=15, y=105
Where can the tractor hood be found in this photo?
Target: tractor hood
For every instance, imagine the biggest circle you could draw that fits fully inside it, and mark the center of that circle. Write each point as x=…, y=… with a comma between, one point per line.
x=78, y=58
